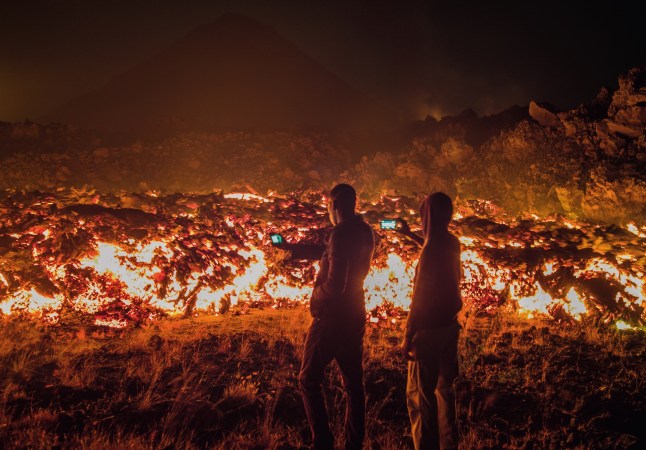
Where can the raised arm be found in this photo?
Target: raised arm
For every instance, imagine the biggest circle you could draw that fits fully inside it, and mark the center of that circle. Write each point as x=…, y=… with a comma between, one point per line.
x=298, y=251
x=304, y=251
x=406, y=231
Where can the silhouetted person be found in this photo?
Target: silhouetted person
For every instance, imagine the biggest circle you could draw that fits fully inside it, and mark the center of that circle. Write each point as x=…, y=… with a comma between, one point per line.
x=339, y=316
x=431, y=340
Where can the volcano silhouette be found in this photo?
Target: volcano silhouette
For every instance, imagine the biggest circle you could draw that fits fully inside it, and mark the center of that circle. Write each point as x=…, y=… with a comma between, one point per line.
x=232, y=74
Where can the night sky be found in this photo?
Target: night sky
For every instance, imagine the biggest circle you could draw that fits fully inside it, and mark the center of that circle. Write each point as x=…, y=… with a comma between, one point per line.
x=416, y=57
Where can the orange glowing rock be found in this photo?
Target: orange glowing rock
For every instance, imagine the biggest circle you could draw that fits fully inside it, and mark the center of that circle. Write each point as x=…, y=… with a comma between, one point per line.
x=89, y=259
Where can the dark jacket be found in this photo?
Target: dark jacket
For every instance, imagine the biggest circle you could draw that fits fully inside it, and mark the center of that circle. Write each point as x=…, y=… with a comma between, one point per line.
x=436, y=292
x=343, y=268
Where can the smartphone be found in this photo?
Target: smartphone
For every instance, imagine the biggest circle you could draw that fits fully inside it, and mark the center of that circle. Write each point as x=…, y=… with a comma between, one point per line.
x=276, y=239
x=388, y=224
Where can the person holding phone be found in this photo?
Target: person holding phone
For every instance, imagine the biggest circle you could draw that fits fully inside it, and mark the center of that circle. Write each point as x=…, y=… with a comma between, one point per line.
x=432, y=330
x=338, y=310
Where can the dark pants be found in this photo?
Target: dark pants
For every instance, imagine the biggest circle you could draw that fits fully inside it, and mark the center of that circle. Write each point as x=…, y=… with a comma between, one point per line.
x=333, y=338
x=429, y=391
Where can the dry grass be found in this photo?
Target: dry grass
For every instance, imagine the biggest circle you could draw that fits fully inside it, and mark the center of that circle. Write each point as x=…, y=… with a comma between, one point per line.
x=231, y=382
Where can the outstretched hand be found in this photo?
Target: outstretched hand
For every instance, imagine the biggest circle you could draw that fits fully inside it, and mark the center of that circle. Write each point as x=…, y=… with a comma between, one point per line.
x=277, y=240
x=402, y=227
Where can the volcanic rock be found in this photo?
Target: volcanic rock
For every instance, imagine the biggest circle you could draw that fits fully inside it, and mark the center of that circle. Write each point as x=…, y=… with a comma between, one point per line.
x=586, y=163
x=543, y=115
x=627, y=112
x=456, y=152
x=631, y=92
x=467, y=126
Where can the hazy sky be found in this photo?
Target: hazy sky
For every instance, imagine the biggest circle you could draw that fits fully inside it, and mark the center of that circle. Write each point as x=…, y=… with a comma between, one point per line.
x=417, y=57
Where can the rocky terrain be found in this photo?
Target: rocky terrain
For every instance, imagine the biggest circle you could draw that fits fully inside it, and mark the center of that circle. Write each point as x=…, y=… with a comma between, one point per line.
x=142, y=304
x=587, y=163
x=127, y=259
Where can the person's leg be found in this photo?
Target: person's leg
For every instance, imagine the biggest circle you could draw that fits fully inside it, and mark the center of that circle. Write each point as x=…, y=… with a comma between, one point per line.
x=412, y=402
x=422, y=405
x=317, y=354
x=447, y=420
x=350, y=362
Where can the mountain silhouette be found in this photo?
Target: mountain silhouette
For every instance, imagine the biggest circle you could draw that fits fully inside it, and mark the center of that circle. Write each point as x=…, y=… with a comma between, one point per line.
x=232, y=74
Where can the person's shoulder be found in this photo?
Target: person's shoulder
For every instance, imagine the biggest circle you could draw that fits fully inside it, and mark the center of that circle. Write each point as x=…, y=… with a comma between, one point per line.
x=365, y=228
x=339, y=231
x=352, y=223
x=352, y=227
x=365, y=225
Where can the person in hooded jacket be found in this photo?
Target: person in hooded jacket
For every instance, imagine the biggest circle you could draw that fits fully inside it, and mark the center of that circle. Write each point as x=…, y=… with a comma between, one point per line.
x=431, y=340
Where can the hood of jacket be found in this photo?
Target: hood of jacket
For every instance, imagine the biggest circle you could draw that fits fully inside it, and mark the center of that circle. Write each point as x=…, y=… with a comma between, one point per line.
x=435, y=211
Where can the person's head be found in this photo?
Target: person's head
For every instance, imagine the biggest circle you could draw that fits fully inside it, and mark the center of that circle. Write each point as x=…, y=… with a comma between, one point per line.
x=342, y=202
x=436, y=212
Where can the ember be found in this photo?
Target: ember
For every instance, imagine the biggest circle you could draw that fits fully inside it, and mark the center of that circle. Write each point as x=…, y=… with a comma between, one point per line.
x=191, y=254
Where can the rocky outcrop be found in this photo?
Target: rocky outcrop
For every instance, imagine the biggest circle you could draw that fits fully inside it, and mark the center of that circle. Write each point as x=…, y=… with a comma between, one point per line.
x=624, y=127
x=544, y=115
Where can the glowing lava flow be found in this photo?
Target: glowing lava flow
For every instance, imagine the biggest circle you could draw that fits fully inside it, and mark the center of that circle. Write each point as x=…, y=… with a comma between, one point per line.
x=633, y=285
x=32, y=301
x=245, y=283
x=541, y=303
x=133, y=269
x=393, y=283
x=213, y=260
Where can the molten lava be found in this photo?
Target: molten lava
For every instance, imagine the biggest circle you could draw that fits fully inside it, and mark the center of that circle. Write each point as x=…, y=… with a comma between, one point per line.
x=183, y=255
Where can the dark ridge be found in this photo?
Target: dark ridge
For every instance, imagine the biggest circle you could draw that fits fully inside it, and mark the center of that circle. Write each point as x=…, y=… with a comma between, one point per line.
x=232, y=74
